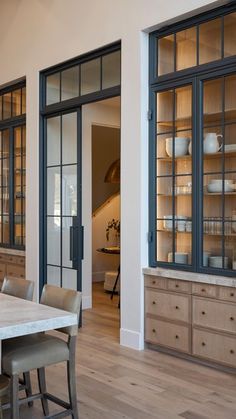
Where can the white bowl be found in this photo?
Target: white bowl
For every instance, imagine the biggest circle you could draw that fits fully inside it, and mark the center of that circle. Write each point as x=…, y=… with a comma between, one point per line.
x=230, y=147
x=180, y=146
x=216, y=262
x=180, y=257
x=217, y=186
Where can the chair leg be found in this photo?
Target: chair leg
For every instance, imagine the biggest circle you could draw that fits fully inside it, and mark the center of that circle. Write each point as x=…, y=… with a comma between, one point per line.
x=28, y=389
x=14, y=388
x=43, y=390
x=72, y=387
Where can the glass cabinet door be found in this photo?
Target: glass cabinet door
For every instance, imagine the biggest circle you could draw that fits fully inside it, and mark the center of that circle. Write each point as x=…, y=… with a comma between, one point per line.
x=174, y=175
x=219, y=173
x=19, y=156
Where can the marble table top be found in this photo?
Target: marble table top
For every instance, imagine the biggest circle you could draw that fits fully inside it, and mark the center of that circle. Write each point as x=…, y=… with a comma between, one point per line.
x=19, y=317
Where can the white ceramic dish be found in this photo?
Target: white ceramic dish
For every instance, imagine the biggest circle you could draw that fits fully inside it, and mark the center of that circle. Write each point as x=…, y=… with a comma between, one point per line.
x=180, y=146
x=180, y=257
x=216, y=185
x=216, y=262
x=230, y=148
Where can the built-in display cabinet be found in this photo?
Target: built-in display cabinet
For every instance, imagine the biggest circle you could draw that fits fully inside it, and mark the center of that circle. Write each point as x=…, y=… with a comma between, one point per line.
x=193, y=145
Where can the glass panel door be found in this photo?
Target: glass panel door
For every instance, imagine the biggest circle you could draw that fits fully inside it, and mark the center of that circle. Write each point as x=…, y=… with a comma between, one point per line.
x=219, y=173
x=174, y=175
x=63, y=218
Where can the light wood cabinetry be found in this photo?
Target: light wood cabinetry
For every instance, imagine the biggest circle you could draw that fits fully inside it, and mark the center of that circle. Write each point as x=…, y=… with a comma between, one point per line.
x=11, y=266
x=195, y=318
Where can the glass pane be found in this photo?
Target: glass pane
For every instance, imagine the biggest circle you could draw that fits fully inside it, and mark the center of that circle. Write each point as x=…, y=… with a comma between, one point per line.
x=213, y=102
x=23, y=100
x=230, y=34
x=6, y=236
x=111, y=70
x=165, y=109
x=66, y=224
x=16, y=102
x=5, y=172
x=90, y=76
x=183, y=108
x=210, y=41
x=230, y=99
x=166, y=48
x=54, y=276
x=5, y=200
x=69, y=138
x=18, y=229
x=53, y=89
x=5, y=143
x=7, y=106
x=69, y=190
x=53, y=141
x=164, y=246
x=53, y=241
x=17, y=141
x=69, y=278
x=70, y=83
x=53, y=191
x=186, y=51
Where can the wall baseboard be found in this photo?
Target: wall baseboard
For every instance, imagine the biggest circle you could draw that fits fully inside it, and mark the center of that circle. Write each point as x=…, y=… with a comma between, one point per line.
x=131, y=339
x=86, y=302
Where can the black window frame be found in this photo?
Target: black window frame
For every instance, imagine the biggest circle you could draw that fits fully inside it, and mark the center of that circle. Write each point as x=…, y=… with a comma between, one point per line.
x=197, y=75
x=10, y=124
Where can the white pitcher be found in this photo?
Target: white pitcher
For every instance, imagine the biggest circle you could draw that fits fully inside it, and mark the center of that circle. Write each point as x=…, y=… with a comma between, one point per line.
x=211, y=143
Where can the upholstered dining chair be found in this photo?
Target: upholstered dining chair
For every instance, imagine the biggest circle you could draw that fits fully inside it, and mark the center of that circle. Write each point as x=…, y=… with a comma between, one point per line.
x=40, y=350
x=18, y=287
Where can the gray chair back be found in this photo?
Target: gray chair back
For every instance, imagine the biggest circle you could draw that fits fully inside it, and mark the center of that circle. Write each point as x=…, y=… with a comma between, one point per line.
x=63, y=299
x=18, y=287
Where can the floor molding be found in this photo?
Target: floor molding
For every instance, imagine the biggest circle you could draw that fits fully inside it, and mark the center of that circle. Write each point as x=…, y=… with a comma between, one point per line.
x=131, y=339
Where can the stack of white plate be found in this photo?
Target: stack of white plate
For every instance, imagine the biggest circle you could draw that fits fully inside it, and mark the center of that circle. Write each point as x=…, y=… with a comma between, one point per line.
x=216, y=262
x=216, y=185
x=180, y=257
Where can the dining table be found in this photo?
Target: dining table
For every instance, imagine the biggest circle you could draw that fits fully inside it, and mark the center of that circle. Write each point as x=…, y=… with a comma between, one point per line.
x=20, y=317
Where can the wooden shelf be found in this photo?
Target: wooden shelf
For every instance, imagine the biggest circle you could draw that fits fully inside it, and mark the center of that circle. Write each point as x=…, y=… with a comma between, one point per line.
x=205, y=156
x=219, y=193
x=190, y=232
x=210, y=118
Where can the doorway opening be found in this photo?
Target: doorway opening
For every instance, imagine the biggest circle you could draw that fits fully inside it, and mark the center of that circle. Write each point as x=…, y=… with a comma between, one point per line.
x=101, y=128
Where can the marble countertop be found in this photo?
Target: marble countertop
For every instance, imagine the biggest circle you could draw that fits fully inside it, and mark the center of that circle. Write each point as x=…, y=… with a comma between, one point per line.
x=192, y=276
x=14, y=252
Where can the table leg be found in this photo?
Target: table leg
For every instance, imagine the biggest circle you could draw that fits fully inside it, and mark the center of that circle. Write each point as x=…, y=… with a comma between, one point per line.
x=116, y=281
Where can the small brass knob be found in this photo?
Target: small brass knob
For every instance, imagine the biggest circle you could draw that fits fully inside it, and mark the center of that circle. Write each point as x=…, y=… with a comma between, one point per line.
x=203, y=313
x=203, y=290
x=176, y=285
x=203, y=344
x=176, y=337
x=232, y=294
x=231, y=318
x=153, y=330
x=177, y=307
x=154, y=302
x=153, y=282
x=231, y=351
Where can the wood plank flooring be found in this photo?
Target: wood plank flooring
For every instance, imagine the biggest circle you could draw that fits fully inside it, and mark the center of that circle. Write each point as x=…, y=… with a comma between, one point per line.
x=114, y=382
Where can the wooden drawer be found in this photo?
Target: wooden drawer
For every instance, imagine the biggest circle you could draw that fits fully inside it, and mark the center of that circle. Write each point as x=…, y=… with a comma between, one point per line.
x=179, y=286
x=214, y=347
x=2, y=270
x=227, y=294
x=205, y=290
x=155, y=282
x=168, y=334
x=170, y=306
x=15, y=271
x=214, y=314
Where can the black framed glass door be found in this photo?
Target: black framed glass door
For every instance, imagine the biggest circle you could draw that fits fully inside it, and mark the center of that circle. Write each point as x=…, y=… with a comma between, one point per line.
x=63, y=250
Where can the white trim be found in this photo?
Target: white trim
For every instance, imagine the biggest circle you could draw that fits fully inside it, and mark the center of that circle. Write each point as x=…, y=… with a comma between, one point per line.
x=86, y=302
x=131, y=339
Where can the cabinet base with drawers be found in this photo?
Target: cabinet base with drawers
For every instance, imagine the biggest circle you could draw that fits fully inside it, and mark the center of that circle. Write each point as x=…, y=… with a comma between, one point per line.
x=194, y=320
x=11, y=266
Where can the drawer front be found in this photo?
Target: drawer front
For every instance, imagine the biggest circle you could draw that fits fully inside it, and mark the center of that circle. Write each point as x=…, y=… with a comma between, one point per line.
x=214, y=314
x=205, y=290
x=155, y=282
x=215, y=347
x=170, y=306
x=179, y=286
x=227, y=294
x=168, y=334
x=2, y=270
x=15, y=271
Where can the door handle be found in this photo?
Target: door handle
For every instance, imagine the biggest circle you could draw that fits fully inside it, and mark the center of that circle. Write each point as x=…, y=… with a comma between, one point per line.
x=71, y=243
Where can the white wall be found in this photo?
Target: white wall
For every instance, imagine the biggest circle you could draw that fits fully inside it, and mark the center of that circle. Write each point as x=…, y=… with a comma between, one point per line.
x=35, y=34
x=93, y=114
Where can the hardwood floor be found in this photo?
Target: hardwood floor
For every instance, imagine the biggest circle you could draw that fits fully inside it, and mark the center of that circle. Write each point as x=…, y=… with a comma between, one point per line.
x=114, y=382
